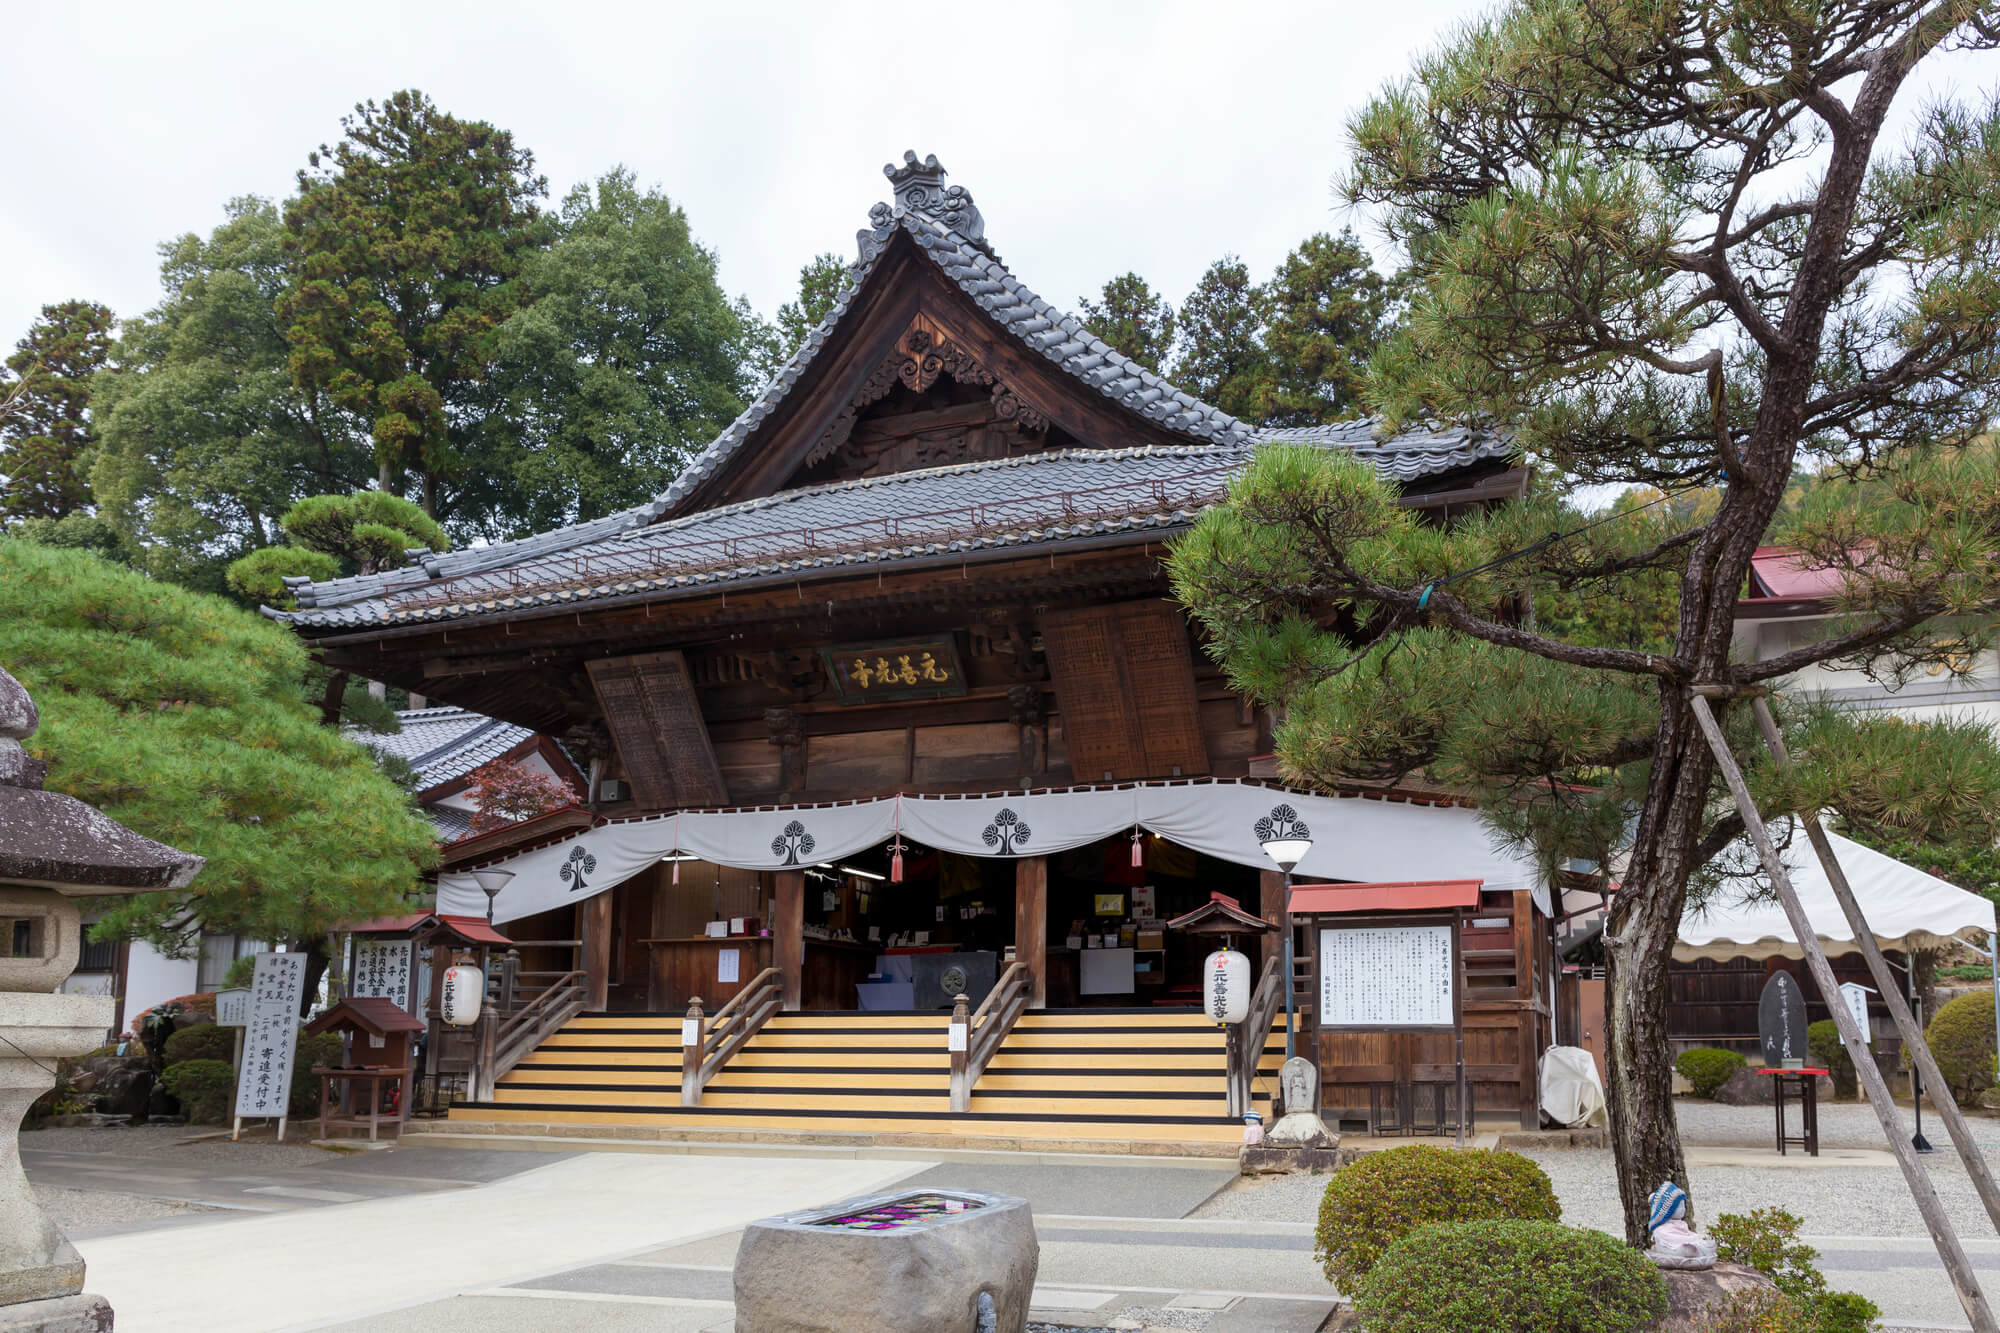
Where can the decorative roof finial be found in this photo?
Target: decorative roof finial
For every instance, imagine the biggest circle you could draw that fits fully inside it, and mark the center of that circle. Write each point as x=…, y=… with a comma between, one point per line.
x=922, y=191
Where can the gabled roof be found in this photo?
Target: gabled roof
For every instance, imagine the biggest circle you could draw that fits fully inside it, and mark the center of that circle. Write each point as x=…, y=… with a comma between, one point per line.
x=1778, y=574
x=1066, y=495
x=444, y=744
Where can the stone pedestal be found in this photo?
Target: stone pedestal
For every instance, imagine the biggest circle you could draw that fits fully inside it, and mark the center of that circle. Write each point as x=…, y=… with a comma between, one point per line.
x=65, y=1314
x=36, y=1262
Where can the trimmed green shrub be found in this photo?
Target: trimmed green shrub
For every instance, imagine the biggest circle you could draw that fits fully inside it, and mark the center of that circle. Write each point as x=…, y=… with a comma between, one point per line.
x=1374, y=1202
x=1539, y=1276
x=1829, y=1053
x=204, y=1088
x=1960, y=1035
x=203, y=1041
x=1767, y=1239
x=1708, y=1068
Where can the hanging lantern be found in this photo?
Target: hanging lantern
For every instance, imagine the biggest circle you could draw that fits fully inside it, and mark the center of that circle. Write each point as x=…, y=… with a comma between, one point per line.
x=1138, y=850
x=464, y=992
x=1226, y=986
x=896, y=861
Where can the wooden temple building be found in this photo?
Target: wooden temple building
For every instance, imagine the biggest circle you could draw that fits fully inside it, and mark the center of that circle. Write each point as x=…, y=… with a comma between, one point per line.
x=885, y=701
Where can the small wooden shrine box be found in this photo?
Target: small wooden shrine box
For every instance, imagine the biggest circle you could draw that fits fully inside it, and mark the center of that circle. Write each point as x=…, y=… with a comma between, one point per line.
x=377, y=1028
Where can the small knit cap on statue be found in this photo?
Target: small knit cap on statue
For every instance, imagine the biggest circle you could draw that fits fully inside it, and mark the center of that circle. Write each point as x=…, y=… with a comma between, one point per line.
x=1666, y=1203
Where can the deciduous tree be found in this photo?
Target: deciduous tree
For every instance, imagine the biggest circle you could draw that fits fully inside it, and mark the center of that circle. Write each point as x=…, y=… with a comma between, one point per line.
x=1222, y=359
x=1666, y=244
x=507, y=792
x=409, y=237
x=820, y=281
x=46, y=431
x=628, y=362
x=1327, y=310
x=204, y=440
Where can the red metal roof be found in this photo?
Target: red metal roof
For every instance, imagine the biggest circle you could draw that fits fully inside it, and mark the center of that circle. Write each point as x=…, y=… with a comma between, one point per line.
x=472, y=929
x=1395, y=896
x=1221, y=914
x=1775, y=572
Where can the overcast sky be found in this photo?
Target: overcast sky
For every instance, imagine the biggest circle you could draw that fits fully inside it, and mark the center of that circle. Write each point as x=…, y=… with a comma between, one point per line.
x=1095, y=137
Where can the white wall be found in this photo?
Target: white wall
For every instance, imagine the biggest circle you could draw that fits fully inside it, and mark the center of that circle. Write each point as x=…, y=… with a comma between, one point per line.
x=151, y=978
x=1926, y=695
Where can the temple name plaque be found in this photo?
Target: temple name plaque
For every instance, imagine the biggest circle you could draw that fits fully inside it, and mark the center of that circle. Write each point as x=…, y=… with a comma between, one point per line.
x=1387, y=977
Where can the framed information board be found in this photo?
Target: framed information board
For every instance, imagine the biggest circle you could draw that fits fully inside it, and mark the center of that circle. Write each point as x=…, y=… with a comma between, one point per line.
x=1382, y=977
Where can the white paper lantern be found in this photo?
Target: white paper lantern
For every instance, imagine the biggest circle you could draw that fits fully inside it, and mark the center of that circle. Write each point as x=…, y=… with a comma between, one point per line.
x=1226, y=986
x=464, y=992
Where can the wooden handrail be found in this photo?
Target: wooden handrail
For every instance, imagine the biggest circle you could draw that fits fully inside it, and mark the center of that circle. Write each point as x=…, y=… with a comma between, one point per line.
x=503, y=1040
x=986, y=1029
x=717, y=1038
x=1246, y=1040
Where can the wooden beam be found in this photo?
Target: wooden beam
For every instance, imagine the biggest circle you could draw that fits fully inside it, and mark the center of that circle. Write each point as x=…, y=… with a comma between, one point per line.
x=1528, y=1060
x=1271, y=906
x=788, y=935
x=1963, y=1280
x=596, y=936
x=1031, y=924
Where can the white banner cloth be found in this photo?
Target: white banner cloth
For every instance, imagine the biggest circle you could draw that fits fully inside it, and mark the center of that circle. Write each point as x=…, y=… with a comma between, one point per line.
x=1353, y=838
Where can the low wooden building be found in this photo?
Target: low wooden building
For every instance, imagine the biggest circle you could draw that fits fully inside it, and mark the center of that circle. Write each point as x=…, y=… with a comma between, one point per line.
x=887, y=693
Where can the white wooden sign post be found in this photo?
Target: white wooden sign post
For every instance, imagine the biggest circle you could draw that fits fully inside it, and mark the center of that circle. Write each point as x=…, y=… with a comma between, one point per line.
x=1384, y=974
x=232, y=1010
x=271, y=1039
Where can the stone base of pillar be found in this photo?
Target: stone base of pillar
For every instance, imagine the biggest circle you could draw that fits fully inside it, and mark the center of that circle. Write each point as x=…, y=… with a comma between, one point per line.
x=64, y=1314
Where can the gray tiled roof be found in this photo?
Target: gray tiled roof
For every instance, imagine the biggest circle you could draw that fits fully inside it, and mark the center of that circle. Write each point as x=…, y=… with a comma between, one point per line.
x=444, y=744
x=874, y=520
x=451, y=823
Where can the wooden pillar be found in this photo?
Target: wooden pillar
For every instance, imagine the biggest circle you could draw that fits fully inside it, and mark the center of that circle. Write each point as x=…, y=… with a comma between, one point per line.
x=1528, y=1059
x=788, y=934
x=594, y=914
x=1031, y=924
x=1271, y=906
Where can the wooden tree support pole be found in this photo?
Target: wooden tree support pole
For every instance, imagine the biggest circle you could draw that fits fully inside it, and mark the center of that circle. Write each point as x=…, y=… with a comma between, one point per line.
x=1891, y=989
x=1956, y=1265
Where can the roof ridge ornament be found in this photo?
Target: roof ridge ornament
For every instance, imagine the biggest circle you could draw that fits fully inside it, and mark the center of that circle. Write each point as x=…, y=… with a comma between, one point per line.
x=923, y=190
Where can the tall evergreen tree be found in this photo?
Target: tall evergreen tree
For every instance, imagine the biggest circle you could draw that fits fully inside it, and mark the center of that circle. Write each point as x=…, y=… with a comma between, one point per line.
x=1133, y=319
x=46, y=432
x=1222, y=358
x=204, y=439
x=1660, y=244
x=820, y=281
x=409, y=237
x=628, y=362
x=1327, y=309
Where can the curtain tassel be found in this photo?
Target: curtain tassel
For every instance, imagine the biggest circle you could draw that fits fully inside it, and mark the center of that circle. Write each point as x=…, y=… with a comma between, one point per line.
x=1138, y=850
x=677, y=865
x=896, y=861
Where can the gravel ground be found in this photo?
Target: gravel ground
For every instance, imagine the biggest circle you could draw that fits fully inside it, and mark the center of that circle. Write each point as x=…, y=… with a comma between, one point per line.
x=172, y=1142
x=1831, y=1200
x=79, y=1210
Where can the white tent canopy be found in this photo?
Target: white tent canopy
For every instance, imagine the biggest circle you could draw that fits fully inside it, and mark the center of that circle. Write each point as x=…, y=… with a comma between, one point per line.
x=1904, y=907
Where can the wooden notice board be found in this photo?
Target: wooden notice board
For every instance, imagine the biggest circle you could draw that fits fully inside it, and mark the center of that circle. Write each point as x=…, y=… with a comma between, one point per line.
x=653, y=716
x=1124, y=679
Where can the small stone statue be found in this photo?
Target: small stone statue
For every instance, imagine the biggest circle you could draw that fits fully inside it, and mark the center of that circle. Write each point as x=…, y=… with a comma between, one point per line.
x=1675, y=1243
x=1300, y=1127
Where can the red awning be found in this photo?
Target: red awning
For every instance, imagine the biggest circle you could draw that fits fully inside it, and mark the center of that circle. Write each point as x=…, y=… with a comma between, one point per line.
x=1400, y=896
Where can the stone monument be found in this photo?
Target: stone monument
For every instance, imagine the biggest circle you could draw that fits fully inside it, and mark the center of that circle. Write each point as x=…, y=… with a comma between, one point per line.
x=1781, y=1022
x=1300, y=1141
x=53, y=848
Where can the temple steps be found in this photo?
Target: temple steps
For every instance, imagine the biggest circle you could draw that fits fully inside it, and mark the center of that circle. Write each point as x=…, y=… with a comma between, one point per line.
x=1135, y=1076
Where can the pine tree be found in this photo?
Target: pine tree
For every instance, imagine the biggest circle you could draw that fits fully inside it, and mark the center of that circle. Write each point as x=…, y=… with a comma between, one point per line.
x=820, y=282
x=1327, y=309
x=1666, y=245
x=1222, y=358
x=46, y=431
x=1133, y=319
x=408, y=238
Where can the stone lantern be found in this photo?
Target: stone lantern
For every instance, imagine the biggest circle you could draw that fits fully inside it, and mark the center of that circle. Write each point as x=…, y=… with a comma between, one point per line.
x=53, y=849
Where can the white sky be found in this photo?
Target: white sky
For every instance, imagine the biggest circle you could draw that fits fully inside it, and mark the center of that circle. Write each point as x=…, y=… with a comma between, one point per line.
x=1095, y=137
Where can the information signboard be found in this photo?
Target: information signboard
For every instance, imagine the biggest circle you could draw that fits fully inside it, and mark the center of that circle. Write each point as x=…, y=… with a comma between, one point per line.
x=1388, y=977
x=382, y=968
x=271, y=1037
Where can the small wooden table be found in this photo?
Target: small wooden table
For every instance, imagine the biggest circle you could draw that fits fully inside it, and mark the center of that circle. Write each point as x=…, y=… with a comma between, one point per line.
x=374, y=1078
x=1804, y=1085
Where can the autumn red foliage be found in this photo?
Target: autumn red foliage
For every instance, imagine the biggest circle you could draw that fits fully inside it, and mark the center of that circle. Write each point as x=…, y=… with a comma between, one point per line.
x=507, y=792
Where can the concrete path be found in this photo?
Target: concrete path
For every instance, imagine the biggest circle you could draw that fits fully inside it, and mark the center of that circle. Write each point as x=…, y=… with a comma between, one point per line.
x=301, y=1269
